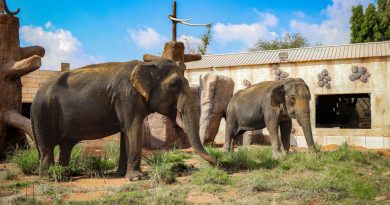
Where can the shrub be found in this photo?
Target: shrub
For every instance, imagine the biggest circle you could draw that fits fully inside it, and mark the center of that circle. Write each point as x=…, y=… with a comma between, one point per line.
x=27, y=160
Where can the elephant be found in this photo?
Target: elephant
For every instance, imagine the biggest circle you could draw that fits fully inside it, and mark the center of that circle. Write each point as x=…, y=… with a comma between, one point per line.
x=103, y=99
x=270, y=104
x=348, y=116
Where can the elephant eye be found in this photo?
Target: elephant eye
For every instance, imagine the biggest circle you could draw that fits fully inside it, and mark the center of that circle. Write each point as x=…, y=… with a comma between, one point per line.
x=174, y=85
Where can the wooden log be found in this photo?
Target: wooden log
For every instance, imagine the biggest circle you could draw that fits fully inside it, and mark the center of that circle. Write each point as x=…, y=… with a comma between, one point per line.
x=14, y=63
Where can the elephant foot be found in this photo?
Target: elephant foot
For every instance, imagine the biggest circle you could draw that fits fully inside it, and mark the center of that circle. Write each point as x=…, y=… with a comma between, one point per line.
x=121, y=171
x=277, y=155
x=135, y=175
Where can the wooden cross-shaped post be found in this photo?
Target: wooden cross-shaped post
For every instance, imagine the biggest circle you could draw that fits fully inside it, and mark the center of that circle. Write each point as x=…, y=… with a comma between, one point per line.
x=175, y=20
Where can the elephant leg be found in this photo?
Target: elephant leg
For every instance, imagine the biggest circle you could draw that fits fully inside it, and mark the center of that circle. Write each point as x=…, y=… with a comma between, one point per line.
x=134, y=149
x=273, y=129
x=229, y=135
x=285, y=131
x=65, y=152
x=122, y=165
x=47, y=158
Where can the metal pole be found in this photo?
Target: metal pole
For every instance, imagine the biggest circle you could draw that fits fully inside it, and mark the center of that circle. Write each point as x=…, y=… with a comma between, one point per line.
x=174, y=22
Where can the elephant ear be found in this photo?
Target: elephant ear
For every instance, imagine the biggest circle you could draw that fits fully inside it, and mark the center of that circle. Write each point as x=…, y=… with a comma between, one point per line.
x=141, y=80
x=277, y=95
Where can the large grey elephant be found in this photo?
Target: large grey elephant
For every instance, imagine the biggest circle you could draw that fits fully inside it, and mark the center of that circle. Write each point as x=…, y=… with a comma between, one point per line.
x=270, y=104
x=100, y=100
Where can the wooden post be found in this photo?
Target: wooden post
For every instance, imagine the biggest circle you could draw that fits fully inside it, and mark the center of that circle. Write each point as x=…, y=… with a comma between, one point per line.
x=15, y=62
x=174, y=22
x=65, y=66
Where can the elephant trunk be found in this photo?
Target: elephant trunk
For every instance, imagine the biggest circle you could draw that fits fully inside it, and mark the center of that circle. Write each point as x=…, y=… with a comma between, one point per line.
x=186, y=104
x=303, y=118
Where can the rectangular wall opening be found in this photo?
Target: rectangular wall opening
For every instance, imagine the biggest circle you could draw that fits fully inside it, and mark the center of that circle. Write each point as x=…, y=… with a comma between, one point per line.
x=26, y=107
x=349, y=111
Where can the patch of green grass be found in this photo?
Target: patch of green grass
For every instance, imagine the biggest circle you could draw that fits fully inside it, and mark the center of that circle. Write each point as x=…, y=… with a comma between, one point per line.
x=96, y=165
x=9, y=174
x=131, y=197
x=211, y=175
x=169, y=197
x=54, y=192
x=19, y=185
x=57, y=172
x=363, y=189
x=111, y=151
x=164, y=166
x=242, y=159
x=76, y=160
x=259, y=184
x=27, y=160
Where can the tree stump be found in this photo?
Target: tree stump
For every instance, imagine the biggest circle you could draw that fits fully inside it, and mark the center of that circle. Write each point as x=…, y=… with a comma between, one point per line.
x=15, y=62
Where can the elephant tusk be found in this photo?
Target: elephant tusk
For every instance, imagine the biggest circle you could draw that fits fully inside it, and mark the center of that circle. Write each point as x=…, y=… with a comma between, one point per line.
x=184, y=21
x=13, y=13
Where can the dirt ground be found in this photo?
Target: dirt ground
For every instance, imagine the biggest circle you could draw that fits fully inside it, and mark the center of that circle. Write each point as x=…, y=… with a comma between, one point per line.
x=88, y=189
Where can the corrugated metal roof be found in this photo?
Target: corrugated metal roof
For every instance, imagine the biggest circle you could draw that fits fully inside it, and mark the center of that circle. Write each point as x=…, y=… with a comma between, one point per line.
x=317, y=53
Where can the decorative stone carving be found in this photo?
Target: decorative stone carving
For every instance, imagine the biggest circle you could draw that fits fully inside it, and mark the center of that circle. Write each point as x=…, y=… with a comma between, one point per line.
x=324, y=79
x=278, y=73
x=359, y=72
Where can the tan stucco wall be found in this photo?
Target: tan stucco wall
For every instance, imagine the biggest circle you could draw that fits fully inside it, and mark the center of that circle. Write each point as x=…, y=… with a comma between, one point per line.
x=378, y=86
x=32, y=82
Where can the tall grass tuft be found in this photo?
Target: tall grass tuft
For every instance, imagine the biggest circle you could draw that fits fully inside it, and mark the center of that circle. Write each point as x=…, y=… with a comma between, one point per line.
x=27, y=160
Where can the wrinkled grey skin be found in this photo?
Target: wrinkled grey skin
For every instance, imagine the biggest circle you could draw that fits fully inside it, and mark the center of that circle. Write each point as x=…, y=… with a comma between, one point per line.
x=270, y=104
x=100, y=100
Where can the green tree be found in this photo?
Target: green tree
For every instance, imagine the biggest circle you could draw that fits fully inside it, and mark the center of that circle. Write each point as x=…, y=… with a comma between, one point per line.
x=205, y=41
x=356, y=22
x=295, y=40
x=373, y=24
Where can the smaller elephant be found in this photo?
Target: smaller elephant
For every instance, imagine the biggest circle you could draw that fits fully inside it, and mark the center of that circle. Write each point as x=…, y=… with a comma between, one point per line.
x=270, y=104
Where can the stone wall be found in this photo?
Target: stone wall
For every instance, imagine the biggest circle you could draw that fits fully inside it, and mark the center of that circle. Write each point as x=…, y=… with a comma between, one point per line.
x=378, y=85
x=32, y=82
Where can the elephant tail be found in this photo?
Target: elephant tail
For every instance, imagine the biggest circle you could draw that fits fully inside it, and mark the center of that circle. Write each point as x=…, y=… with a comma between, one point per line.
x=34, y=135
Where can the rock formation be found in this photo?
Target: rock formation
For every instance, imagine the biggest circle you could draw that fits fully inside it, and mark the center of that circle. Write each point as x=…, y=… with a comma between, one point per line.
x=15, y=62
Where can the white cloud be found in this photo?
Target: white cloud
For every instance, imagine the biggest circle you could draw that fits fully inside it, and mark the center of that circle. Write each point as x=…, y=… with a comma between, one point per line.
x=299, y=14
x=335, y=28
x=191, y=43
x=147, y=38
x=247, y=33
x=60, y=45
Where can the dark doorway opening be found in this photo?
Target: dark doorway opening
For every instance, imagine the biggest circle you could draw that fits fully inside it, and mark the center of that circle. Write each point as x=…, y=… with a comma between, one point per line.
x=26, y=108
x=351, y=111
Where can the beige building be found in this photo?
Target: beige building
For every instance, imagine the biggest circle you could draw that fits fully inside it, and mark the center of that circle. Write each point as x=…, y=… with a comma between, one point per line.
x=341, y=63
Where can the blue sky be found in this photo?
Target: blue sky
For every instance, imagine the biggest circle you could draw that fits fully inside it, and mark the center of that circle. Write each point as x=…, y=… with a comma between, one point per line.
x=84, y=31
